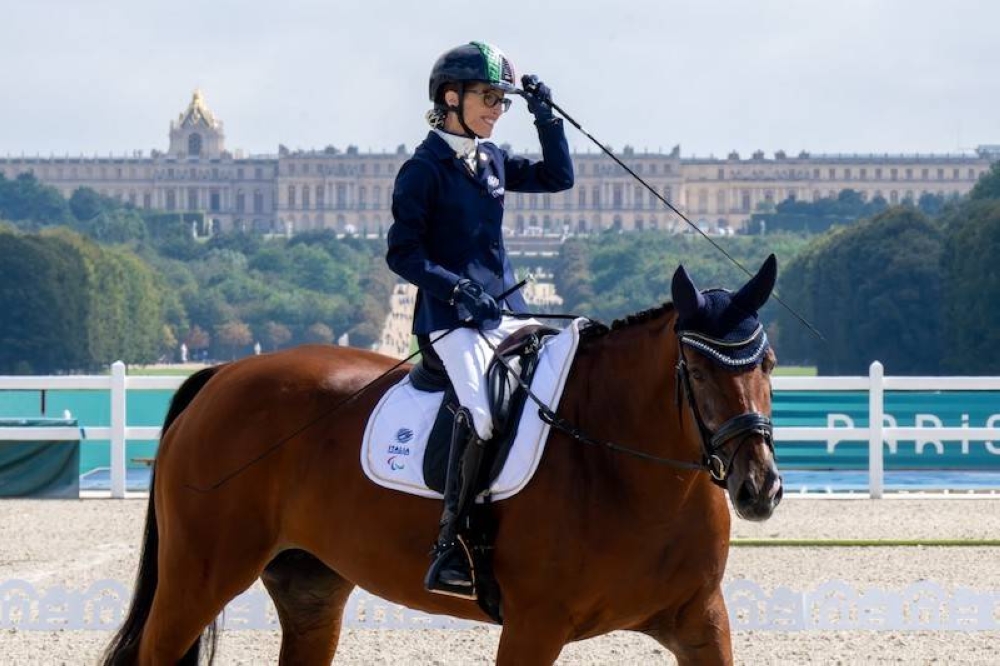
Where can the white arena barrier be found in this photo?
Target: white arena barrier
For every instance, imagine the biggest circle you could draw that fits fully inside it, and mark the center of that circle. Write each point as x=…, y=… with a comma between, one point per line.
x=831, y=606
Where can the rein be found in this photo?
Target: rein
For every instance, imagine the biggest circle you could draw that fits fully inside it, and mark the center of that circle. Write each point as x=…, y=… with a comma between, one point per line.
x=711, y=462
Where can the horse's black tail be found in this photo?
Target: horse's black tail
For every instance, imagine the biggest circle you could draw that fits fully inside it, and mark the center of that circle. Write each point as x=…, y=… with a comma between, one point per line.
x=124, y=647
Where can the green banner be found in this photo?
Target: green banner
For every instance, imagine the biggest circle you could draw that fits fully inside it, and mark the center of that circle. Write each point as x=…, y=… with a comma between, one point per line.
x=49, y=469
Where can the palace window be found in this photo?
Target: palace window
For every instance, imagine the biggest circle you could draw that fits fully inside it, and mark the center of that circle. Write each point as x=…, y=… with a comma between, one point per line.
x=240, y=201
x=305, y=197
x=582, y=198
x=362, y=197
x=319, y=197
x=637, y=196
x=194, y=144
x=258, y=201
x=617, y=195
x=291, y=196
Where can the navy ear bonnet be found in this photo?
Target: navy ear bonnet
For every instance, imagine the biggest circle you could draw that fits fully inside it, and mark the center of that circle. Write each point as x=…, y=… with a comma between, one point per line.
x=723, y=325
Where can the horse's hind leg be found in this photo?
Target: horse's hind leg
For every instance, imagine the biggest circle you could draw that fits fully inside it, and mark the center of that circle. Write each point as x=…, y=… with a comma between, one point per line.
x=310, y=599
x=193, y=587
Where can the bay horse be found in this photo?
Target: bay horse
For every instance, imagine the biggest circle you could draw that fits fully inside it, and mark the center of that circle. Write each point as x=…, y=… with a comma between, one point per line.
x=624, y=528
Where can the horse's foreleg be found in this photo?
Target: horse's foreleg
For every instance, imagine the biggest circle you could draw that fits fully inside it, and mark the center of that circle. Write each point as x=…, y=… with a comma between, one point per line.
x=532, y=640
x=699, y=634
x=310, y=599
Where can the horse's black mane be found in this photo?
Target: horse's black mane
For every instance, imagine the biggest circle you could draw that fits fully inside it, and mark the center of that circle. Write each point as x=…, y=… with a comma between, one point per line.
x=597, y=329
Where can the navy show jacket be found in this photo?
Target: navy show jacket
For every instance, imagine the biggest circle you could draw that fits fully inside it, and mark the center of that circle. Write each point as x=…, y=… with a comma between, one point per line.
x=447, y=222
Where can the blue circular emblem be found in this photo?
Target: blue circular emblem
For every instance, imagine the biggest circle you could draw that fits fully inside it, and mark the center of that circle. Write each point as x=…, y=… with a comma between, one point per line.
x=403, y=435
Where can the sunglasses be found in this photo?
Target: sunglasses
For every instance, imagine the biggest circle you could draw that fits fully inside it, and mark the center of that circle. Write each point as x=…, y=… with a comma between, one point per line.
x=491, y=99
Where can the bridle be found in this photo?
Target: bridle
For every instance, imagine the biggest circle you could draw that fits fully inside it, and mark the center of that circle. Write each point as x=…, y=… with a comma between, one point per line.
x=739, y=426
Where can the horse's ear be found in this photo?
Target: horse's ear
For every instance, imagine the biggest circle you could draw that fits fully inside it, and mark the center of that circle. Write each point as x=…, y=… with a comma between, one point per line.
x=687, y=299
x=752, y=296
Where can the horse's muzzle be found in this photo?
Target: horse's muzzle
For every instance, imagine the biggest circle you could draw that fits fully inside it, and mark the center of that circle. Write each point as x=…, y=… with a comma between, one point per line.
x=757, y=501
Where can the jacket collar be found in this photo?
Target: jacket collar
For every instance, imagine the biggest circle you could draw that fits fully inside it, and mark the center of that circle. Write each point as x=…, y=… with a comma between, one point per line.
x=438, y=147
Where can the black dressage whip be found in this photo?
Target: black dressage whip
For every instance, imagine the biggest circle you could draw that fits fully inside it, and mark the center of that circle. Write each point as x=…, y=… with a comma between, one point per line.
x=652, y=190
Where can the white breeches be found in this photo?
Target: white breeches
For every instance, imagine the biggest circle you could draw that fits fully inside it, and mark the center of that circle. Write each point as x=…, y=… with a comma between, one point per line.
x=466, y=357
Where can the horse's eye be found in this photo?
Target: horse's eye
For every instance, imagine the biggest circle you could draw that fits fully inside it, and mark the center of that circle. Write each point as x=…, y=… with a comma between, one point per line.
x=697, y=375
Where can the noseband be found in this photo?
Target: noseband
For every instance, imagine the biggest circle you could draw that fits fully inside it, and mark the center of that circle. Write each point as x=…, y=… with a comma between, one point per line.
x=740, y=426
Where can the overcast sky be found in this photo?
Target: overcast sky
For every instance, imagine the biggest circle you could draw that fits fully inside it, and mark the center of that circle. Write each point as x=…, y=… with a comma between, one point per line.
x=108, y=76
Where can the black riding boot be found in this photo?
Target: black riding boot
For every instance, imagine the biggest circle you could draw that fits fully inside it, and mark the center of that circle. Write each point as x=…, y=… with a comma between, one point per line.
x=451, y=572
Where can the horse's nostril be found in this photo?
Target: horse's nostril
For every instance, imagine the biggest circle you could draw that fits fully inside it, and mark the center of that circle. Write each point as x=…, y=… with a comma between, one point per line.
x=775, y=488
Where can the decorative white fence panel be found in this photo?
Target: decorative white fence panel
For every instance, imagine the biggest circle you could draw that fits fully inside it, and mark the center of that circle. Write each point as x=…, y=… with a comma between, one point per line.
x=875, y=384
x=830, y=606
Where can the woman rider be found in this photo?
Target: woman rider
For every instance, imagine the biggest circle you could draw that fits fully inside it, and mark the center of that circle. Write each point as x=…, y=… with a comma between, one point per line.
x=447, y=239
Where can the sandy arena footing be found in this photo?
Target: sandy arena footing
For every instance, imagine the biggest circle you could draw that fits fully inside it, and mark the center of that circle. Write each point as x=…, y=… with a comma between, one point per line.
x=76, y=543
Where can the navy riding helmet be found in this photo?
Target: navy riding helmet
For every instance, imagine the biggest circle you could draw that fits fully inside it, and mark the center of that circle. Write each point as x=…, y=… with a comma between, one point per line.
x=475, y=61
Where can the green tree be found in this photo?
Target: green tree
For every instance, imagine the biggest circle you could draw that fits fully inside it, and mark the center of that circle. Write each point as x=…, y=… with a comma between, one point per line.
x=319, y=333
x=234, y=337
x=275, y=335
x=42, y=298
x=31, y=204
x=972, y=288
x=873, y=290
x=86, y=204
x=988, y=185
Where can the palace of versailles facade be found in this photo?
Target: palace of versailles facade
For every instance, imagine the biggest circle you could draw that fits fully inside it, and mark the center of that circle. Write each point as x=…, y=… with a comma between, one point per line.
x=351, y=191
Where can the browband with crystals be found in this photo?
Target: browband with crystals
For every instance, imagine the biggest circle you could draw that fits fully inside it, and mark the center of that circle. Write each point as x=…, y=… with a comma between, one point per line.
x=733, y=354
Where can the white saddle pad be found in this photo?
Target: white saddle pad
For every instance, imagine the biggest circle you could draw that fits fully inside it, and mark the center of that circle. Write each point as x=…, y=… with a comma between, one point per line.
x=392, y=453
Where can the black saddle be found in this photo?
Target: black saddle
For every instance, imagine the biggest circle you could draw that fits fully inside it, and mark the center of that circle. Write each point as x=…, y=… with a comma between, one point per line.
x=507, y=399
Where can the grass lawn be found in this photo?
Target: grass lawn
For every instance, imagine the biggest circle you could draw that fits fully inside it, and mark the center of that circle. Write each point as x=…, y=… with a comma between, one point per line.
x=795, y=370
